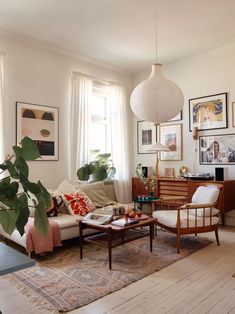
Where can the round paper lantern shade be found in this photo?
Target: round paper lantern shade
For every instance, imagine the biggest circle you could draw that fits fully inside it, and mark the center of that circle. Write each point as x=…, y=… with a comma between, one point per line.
x=157, y=99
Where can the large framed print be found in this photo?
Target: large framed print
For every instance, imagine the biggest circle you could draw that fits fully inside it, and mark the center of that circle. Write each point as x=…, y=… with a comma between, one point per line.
x=208, y=112
x=40, y=123
x=146, y=136
x=217, y=149
x=171, y=136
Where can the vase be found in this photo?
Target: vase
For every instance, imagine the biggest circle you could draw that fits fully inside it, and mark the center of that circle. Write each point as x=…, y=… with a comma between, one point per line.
x=151, y=195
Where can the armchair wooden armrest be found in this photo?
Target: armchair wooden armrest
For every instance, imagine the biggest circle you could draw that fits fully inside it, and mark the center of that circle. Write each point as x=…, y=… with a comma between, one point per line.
x=194, y=206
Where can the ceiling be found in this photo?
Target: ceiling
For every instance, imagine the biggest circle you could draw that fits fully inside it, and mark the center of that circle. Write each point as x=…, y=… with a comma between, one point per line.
x=123, y=32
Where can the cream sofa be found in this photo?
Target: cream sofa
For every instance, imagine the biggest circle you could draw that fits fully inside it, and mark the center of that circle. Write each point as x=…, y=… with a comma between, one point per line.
x=100, y=193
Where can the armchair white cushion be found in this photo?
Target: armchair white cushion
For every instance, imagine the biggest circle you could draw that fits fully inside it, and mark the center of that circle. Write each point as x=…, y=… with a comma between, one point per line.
x=205, y=194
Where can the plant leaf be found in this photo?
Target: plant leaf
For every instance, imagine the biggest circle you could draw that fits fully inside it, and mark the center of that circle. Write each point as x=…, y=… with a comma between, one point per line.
x=8, y=219
x=10, y=190
x=28, y=149
x=21, y=167
x=24, y=214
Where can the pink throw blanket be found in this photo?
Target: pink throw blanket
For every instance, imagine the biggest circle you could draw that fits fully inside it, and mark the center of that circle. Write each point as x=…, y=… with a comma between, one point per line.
x=39, y=243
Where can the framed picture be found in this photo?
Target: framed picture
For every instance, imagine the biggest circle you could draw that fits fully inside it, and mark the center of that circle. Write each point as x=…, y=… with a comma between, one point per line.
x=217, y=149
x=233, y=106
x=146, y=136
x=171, y=136
x=40, y=123
x=178, y=117
x=208, y=112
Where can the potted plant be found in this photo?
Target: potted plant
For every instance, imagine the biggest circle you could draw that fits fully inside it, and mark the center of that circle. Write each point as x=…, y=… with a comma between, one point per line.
x=14, y=208
x=99, y=169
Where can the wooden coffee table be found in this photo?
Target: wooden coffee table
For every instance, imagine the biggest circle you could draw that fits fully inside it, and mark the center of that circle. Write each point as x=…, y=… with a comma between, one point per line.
x=111, y=230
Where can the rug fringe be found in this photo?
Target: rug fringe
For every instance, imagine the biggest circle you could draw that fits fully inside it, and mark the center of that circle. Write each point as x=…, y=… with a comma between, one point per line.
x=40, y=302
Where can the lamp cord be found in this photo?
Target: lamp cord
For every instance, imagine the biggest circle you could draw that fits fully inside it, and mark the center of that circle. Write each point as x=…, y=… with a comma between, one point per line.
x=156, y=29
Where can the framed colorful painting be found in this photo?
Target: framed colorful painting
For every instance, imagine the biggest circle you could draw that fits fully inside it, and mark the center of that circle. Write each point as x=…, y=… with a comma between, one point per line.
x=40, y=123
x=146, y=136
x=171, y=136
x=217, y=149
x=208, y=112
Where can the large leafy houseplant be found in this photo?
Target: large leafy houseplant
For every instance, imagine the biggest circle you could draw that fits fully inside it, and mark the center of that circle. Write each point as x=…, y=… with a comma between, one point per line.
x=100, y=168
x=16, y=189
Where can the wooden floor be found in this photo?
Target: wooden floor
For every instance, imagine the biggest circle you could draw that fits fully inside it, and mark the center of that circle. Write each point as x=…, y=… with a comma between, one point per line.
x=200, y=283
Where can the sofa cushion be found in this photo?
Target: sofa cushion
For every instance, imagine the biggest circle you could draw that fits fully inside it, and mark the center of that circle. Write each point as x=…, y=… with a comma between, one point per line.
x=66, y=220
x=96, y=193
x=78, y=203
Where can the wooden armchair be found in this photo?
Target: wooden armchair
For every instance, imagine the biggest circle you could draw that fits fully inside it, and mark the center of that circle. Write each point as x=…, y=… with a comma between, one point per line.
x=201, y=215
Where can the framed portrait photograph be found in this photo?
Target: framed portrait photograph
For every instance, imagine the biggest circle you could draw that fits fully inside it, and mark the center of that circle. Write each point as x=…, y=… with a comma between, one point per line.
x=171, y=136
x=40, y=123
x=146, y=136
x=178, y=117
x=217, y=149
x=208, y=112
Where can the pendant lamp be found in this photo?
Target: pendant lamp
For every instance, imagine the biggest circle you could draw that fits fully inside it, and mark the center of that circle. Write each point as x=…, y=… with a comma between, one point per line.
x=156, y=99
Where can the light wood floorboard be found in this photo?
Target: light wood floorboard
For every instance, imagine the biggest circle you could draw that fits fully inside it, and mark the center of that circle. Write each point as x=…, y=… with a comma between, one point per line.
x=201, y=283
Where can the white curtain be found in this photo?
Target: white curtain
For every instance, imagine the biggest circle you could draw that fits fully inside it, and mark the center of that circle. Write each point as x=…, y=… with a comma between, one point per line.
x=118, y=132
x=80, y=117
x=2, y=144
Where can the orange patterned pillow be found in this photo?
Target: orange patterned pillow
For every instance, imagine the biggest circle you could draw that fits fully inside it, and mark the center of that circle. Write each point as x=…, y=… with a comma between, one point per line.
x=78, y=203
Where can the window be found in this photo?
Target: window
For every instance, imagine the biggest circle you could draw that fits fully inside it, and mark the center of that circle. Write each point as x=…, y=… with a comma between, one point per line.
x=99, y=121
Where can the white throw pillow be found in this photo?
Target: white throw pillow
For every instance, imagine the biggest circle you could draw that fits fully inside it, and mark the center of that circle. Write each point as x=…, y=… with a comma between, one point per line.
x=64, y=187
x=205, y=194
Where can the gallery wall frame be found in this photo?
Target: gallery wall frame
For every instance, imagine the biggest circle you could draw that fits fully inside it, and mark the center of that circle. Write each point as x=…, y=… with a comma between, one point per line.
x=233, y=113
x=171, y=136
x=217, y=149
x=178, y=117
x=146, y=136
x=208, y=112
x=41, y=124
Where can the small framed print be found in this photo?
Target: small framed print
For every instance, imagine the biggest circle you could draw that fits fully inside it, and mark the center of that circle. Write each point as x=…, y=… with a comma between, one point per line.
x=146, y=136
x=217, y=149
x=40, y=123
x=208, y=112
x=171, y=136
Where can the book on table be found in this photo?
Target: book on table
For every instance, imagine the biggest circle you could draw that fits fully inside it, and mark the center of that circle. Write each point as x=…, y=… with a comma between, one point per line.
x=98, y=219
x=123, y=222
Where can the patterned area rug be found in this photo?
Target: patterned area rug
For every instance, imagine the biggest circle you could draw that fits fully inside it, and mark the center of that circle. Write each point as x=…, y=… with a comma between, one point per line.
x=61, y=282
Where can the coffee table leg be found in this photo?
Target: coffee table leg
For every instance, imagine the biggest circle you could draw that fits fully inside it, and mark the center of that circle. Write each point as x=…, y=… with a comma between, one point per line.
x=151, y=231
x=80, y=238
x=109, y=233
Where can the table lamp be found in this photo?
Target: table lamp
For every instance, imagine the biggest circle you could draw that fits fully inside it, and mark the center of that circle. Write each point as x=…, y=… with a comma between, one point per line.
x=158, y=147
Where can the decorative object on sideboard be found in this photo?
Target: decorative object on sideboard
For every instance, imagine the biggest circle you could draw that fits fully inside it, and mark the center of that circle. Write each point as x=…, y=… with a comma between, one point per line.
x=208, y=112
x=149, y=183
x=156, y=99
x=158, y=147
x=169, y=172
x=41, y=124
x=183, y=171
x=99, y=169
x=14, y=208
x=146, y=136
x=217, y=149
x=171, y=137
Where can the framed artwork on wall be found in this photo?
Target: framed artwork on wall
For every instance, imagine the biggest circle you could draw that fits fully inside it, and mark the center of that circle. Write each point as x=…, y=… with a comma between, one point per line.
x=208, y=112
x=171, y=136
x=41, y=124
x=233, y=107
x=146, y=136
x=217, y=149
x=178, y=117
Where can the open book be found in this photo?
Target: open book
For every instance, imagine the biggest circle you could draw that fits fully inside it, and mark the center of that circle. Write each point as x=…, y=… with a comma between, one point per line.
x=98, y=219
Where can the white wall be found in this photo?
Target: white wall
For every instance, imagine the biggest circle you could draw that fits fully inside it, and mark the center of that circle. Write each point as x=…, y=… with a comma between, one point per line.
x=205, y=74
x=39, y=75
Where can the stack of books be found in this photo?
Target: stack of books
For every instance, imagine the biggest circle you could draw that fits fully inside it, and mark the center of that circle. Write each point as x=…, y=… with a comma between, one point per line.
x=98, y=219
